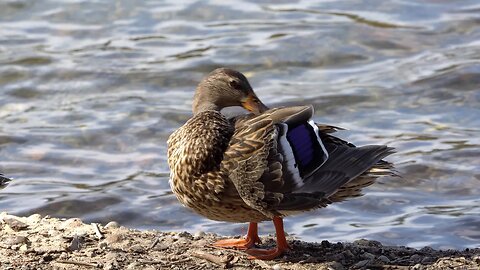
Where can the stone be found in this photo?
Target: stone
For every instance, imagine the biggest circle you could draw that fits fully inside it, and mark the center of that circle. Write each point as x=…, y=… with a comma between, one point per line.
x=427, y=260
x=384, y=259
x=369, y=256
x=416, y=258
x=361, y=264
x=112, y=225
x=15, y=224
x=335, y=266
x=137, y=248
x=277, y=267
x=15, y=240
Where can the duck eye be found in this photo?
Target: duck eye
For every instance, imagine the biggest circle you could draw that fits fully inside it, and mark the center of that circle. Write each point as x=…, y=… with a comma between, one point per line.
x=235, y=84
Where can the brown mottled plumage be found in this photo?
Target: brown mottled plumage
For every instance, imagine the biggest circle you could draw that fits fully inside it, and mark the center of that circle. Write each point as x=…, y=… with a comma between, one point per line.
x=258, y=167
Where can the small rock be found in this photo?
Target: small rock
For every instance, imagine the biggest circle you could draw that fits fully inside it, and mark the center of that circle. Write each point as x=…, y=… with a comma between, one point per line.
x=47, y=258
x=72, y=223
x=361, y=242
x=160, y=247
x=427, y=260
x=476, y=259
x=384, y=259
x=416, y=258
x=325, y=244
x=23, y=248
x=369, y=256
x=137, y=249
x=199, y=235
x=76, y=243
x=134, y=266
x=361, y=264
x=417, y=267
x=426, y=250
x=16, y=240
x=348, y=254
x=276, y=267
x=35, y=218
x=114, y=238
x=338, y=257
x=335, y=266
x=102, y=245
x=112, y=225
x=15, y=224
x=185, y=235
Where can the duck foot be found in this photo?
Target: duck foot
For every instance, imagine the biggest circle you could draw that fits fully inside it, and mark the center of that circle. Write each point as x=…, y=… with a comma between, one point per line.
x=265, y=254
x=270, y=254
x=248, y=242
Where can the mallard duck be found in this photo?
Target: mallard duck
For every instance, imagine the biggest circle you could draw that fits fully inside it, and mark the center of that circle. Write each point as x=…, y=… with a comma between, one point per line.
x=262, y=166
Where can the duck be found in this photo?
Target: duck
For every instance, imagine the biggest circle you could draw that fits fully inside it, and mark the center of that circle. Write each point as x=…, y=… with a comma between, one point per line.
x=264, y=165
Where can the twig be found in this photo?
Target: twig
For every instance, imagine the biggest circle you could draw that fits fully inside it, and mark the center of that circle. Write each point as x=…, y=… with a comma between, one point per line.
x=97, y=231
x=181, y=261
x=224, y=262
x=152, y=262
x=78, y=263
x=155, y=242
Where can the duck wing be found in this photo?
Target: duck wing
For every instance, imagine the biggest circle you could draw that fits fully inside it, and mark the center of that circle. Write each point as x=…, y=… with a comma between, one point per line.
x=282, y=162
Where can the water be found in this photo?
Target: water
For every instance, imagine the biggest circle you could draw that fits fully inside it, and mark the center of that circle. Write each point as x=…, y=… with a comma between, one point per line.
x=91, y=90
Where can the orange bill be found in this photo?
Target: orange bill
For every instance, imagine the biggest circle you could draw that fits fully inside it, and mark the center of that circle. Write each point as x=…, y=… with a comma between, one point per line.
x=252, y=104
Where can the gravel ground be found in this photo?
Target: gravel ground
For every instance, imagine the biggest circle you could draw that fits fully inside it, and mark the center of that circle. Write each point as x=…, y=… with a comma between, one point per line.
x=37, y=242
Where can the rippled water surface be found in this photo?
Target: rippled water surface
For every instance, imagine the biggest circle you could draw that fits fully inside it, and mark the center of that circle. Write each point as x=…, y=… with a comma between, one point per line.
x=91, y=90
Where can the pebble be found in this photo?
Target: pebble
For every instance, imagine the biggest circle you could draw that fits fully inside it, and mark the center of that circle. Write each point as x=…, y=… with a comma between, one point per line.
x=137, y=248
x=185, y=235
x=102, y=245
x=134, y=266
x=15, y=224
x=277, y=267
x=338, y=257
x=114, y=238
x=335, y=266
x=369, y=256
x=72, y=223
x=365, y=242
x=348, y=254
x=76, y=243
x=199, y=235
x=416, y=258
x=23, y=248
x=417, y=266
x=15, y=240
x=35, y=218
x=427, y=259
x=384, y=259
x=361, y=264
x=112, y=225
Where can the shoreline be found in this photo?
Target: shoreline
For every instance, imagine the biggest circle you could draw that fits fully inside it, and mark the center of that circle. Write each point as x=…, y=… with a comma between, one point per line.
x=37, y=242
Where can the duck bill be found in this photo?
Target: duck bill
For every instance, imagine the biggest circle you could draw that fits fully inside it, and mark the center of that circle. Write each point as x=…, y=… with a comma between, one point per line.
x=252, y=104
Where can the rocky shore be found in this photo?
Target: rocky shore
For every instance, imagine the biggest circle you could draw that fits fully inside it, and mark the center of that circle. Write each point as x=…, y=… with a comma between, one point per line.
x=37, y=242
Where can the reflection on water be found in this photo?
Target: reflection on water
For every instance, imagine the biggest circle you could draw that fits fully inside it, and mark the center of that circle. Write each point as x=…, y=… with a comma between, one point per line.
x=91, y=91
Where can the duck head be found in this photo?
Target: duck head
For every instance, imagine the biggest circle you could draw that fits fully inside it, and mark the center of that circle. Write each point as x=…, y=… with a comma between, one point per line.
x=223, y=88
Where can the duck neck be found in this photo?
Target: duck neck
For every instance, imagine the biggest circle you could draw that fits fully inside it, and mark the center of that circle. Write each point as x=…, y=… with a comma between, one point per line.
x=198, y=107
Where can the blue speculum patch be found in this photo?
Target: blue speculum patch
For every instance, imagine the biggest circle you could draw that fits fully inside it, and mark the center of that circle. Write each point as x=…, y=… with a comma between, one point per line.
x=306, y=148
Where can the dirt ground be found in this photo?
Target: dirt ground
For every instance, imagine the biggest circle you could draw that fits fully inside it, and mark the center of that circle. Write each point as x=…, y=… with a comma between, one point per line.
x=37, y=242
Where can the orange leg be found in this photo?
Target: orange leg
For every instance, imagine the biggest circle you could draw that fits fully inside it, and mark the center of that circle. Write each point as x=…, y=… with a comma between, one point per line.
x=270, y=254
x=248, y=242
